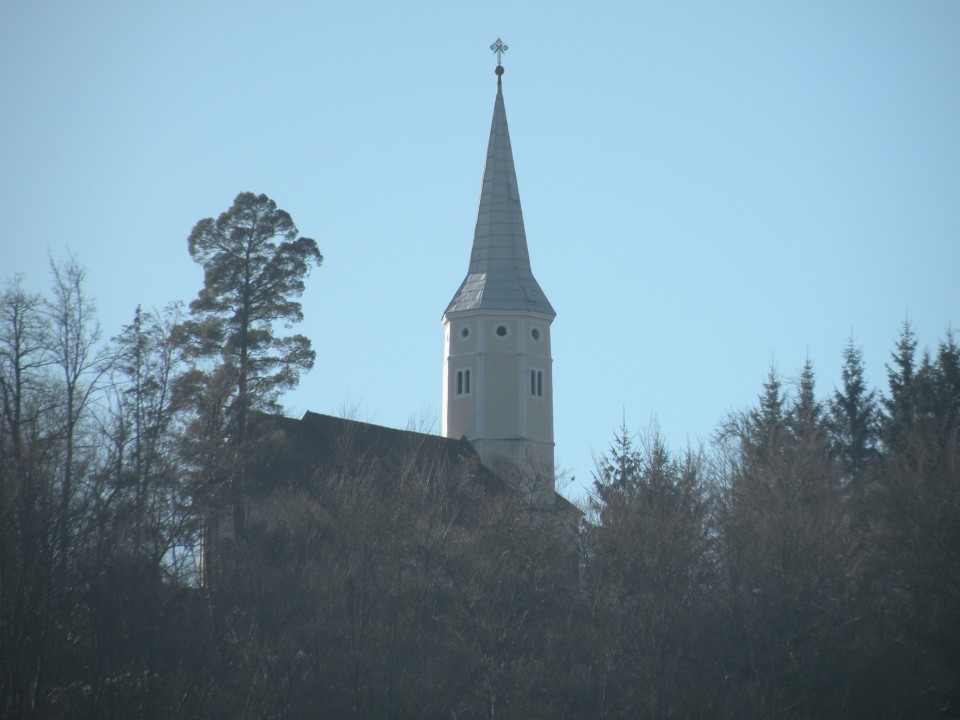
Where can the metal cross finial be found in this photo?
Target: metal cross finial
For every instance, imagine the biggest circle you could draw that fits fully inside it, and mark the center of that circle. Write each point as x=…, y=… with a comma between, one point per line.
x=499, y=47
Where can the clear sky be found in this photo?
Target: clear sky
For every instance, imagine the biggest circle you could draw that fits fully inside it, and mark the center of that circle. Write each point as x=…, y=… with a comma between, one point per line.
x=708, y=188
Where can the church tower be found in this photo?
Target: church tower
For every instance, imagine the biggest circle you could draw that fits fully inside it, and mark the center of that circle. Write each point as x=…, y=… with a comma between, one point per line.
x=497, y=368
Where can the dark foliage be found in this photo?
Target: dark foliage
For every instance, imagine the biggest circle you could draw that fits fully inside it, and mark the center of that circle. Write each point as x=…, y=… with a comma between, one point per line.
x=807, y=567
x=255, y=262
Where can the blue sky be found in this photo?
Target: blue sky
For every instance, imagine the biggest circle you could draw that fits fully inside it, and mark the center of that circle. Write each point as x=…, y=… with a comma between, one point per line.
x=708, y=188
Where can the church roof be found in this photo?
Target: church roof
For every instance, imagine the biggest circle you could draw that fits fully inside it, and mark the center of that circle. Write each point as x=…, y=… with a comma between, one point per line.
x=318, y=443
x=321, y=443
x=499, y=276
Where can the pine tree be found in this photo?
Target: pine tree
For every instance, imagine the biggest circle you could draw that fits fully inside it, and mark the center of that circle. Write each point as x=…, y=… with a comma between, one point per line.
x=618, y=470
x=768, y=416
x=255, y=262
x=853, y=421
x=804, y=416
x=757, y=433
x=947, y=387
x=901, y=404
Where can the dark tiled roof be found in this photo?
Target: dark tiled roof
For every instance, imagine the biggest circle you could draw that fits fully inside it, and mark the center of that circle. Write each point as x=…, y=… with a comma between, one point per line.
x=323, y=443
x=295, y=451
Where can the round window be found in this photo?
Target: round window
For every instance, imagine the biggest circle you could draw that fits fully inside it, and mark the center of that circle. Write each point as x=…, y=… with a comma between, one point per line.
x=535, y=334
x=464, y=332
x=502, y=330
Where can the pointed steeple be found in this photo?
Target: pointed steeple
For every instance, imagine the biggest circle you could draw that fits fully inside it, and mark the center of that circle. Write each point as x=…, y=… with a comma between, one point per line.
x=499, y=276
x=497, y=362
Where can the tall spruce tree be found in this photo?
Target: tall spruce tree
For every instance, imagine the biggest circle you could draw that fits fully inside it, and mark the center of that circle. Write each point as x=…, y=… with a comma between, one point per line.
x=854, y=420
x=804, y=416
x=901, y=405
x=617, y=471
x=763, y=429
x=947, y=388
x=255, y=262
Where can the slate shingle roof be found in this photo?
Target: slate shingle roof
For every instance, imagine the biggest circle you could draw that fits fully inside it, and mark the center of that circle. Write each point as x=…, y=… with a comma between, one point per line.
x=318, y=443
x=499, y=276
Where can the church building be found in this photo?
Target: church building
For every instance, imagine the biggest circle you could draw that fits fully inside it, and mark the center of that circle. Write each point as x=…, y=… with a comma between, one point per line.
x=497, y=415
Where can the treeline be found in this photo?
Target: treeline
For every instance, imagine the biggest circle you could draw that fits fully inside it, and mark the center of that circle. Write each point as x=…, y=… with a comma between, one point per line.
x=113, y=452
x=806, y=565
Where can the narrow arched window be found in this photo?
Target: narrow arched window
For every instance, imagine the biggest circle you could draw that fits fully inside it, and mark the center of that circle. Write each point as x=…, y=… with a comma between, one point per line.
x=536, y=383
x=463, y=382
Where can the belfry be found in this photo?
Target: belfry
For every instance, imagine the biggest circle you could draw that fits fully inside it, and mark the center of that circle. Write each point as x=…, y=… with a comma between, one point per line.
x=497, y=369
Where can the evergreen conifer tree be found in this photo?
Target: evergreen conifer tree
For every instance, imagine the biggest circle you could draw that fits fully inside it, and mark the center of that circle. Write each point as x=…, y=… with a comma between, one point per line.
x=853, y=420
x=255, y=262
x=901, y=404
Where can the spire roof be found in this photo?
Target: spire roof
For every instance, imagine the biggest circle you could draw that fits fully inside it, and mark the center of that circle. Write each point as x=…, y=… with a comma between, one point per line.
x=499, y=276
